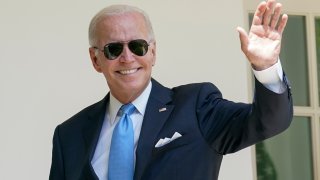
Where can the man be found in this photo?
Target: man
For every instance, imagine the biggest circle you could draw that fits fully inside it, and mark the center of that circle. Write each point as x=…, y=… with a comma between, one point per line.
x=179, y=133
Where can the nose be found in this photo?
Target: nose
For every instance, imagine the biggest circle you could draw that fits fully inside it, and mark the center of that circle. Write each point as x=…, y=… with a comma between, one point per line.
x=126, y=55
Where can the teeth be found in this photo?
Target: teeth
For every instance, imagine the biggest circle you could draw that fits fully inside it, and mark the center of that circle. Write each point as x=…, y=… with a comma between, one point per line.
x=129, y=71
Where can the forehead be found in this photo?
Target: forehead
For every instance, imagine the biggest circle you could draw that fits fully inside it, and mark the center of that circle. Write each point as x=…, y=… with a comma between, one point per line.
x=122, y=27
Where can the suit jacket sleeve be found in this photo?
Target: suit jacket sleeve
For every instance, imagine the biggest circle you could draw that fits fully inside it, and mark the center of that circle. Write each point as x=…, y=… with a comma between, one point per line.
x=57, y=168
x=229, y=127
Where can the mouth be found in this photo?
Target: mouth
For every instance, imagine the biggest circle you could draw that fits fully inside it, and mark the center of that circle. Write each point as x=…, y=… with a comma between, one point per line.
x=128, y=71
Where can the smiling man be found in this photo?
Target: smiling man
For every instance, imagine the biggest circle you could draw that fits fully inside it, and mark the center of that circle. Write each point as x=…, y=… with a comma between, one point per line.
x=127, y=73
x=144, y=131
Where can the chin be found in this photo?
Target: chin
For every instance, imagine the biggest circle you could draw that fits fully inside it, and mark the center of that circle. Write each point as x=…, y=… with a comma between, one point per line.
x=136, y=88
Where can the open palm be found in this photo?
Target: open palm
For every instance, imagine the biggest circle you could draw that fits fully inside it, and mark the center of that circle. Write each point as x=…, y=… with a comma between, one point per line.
x=263, y=43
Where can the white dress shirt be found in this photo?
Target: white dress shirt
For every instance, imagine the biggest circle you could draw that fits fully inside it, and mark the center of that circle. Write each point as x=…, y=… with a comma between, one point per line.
x=270, y=78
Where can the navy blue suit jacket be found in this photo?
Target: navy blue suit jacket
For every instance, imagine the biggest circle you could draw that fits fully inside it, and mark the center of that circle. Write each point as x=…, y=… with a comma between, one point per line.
x=210, y=127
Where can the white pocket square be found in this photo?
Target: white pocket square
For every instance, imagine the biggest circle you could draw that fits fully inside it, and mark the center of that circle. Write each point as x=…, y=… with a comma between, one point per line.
x=166, y=140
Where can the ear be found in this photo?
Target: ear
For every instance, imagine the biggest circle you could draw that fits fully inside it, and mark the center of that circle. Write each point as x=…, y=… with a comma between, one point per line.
x=154, y=53
x=94, y=60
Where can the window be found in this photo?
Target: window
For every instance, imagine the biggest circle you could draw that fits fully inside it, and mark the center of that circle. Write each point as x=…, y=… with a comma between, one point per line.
x=294, y=154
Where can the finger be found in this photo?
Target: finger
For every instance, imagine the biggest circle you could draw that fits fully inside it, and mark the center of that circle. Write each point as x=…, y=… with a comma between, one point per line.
x=244, y=40
x=257, y=18
x=283, y=23
x=268, y=13
x=276, y=15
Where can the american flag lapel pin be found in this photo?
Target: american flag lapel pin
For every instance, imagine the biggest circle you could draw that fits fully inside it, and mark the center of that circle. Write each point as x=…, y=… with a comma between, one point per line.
x=162, y=109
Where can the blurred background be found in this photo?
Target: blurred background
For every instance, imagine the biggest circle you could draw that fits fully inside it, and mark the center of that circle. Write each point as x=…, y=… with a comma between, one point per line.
x=46, y=76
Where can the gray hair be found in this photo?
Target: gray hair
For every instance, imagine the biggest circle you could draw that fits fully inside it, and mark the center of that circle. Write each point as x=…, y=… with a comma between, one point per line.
x=116, y=10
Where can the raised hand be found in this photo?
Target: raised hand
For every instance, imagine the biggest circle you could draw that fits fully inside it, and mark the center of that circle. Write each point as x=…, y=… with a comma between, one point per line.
x=263, y=43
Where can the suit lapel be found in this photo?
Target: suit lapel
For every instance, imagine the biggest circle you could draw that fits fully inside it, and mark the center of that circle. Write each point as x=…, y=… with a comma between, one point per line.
x=91, y=132
x=157, y=112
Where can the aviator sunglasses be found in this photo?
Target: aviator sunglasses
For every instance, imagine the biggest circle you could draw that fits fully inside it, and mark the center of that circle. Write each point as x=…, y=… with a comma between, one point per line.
x=113, y=50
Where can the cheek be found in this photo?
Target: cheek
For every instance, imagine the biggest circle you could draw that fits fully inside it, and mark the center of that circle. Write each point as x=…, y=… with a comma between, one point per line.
x=108, y=70
x=151, y=60
x=109, y=65
x=149, y=65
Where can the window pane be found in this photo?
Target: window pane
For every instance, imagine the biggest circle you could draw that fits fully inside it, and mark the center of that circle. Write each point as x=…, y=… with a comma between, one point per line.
x=294, y=58
x=317, y=25
x=288, y=155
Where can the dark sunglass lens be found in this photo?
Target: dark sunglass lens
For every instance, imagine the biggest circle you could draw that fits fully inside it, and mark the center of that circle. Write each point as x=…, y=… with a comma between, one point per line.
x=139, y=47
x=113, y=50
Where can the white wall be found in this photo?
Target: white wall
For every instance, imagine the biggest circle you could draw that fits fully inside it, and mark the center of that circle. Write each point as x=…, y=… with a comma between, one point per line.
x=291, y=6
x=46, y=75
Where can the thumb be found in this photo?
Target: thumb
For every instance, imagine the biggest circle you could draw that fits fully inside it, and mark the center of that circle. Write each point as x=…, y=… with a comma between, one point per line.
x=244, y=40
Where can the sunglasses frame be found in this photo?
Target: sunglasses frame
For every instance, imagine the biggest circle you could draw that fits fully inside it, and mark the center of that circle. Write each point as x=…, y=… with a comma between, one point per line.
x=110, y=55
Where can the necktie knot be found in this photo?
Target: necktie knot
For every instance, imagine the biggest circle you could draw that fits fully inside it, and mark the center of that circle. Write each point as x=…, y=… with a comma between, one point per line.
x=127, y=109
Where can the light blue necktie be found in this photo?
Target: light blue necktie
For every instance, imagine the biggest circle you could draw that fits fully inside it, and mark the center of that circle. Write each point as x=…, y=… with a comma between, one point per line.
x=121, y=163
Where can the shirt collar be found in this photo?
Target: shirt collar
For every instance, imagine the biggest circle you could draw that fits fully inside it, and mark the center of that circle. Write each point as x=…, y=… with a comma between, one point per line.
x=140, y=103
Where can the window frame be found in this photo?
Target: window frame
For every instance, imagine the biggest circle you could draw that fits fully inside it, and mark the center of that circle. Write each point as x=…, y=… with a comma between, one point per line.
x=312, y=111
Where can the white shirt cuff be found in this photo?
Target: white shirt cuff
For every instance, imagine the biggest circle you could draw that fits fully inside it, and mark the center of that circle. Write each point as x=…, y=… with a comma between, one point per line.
x=272, y=78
